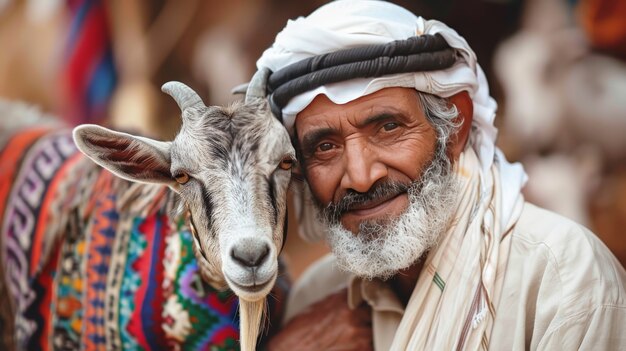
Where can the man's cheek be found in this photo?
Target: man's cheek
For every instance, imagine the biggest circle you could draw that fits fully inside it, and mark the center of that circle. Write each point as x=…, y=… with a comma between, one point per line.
x=321, y=184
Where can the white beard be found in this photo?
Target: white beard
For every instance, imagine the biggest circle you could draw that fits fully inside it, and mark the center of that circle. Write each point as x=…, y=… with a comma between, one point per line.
x=383, y=248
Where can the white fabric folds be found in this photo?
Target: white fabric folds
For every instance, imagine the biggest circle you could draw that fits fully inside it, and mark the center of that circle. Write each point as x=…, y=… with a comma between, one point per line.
x=494, y=183
x=453, y=304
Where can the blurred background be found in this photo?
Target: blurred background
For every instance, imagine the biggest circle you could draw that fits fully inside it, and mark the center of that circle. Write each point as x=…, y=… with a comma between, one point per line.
x=556, y=67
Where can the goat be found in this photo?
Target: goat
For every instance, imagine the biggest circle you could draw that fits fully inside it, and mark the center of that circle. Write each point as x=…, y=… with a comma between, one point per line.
x=228, y=171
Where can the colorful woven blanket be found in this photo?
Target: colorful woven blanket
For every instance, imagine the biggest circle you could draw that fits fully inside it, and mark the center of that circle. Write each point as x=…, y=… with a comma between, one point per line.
x=90, y=261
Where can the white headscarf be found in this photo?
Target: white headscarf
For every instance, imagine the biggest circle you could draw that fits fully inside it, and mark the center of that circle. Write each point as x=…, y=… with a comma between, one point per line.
x=351, y=23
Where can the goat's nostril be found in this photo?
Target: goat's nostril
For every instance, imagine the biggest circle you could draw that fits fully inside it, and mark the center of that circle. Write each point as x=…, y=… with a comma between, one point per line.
x=250, y=256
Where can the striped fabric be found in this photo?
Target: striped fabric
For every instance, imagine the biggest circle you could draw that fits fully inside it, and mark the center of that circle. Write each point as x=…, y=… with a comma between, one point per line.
x=439, y=282
x=455, y=311
x=89, y=74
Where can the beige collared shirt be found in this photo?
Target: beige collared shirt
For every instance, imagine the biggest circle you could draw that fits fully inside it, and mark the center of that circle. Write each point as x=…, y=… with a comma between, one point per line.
x=563, y=290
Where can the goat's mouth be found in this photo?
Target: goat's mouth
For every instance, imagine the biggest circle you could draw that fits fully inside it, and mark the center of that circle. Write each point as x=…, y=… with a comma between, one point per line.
x=252, y=288
x=254, y=291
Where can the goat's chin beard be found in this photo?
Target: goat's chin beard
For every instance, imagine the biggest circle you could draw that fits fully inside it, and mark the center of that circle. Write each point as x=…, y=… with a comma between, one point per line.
x=382, y=248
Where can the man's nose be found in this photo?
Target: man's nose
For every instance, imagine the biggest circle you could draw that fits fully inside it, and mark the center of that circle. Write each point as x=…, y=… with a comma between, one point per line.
x=362, y=167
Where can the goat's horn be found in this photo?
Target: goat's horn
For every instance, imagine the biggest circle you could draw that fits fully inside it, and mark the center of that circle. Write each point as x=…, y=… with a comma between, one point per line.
x=183, y=95
x=257, y=89
x=239, y=89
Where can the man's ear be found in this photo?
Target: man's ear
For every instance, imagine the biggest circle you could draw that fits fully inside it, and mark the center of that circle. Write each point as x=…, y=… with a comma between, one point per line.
x=465, y=106
x=130, y=157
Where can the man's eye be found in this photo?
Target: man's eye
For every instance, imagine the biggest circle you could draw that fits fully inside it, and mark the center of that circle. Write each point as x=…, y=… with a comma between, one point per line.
x=390, y=126
x=325, y=147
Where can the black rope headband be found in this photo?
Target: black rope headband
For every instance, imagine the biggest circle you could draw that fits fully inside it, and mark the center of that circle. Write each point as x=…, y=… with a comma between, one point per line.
x=421, y=53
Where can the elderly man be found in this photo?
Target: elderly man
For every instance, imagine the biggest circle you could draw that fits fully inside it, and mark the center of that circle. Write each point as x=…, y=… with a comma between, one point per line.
x=433, y=245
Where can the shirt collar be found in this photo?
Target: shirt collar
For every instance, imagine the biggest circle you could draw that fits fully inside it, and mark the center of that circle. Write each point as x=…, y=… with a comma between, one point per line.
x=377, y=293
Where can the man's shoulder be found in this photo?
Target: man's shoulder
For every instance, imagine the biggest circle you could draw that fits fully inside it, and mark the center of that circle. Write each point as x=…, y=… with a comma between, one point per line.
x=536, y=223
x=563, y=288
x=321, y=279
x=548, y=244
x=560, y=235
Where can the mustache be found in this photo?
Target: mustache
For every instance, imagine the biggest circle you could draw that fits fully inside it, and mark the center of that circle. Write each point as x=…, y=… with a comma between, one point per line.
x=380, y=192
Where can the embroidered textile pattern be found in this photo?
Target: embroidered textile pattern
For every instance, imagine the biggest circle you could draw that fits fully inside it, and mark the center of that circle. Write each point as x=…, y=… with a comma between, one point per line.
x=91, y=261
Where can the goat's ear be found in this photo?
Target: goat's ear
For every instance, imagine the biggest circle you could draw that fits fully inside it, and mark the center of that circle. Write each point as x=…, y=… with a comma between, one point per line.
x=130, y=157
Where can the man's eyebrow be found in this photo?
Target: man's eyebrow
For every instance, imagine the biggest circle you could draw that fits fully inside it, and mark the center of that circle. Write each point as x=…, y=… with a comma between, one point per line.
x=311, y=139
x=381, y=117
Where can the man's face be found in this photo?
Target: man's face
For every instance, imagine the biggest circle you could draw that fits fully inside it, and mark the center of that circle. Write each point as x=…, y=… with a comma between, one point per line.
x=381, y=181
x=349, y=148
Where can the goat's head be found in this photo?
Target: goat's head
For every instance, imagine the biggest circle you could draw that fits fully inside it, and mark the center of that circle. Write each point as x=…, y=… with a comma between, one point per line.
x=231, y=167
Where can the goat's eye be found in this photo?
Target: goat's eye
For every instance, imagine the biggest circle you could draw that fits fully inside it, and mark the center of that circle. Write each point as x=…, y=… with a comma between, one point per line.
x=181, y=177
x=286, y=163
